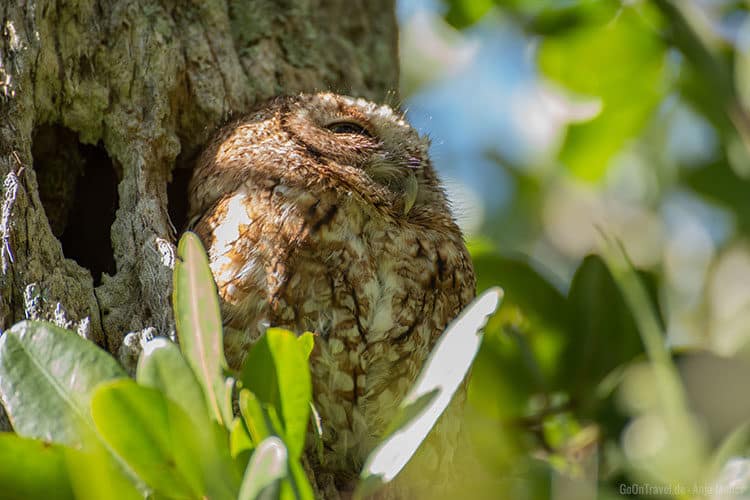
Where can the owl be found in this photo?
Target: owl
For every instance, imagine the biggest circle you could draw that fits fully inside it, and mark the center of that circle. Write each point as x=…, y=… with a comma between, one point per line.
x=323, y=213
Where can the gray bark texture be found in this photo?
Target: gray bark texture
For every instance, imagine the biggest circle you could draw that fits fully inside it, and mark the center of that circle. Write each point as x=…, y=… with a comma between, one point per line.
x=104, y=105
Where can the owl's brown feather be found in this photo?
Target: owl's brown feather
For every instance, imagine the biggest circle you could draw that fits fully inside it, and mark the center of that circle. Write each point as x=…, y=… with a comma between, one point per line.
x=348, y=235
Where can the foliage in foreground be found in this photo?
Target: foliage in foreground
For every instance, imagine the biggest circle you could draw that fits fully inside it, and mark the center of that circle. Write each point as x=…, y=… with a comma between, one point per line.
x=86, y=430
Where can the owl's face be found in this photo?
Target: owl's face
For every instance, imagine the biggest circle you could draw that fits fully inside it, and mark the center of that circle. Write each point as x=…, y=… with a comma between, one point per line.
x=350, y=145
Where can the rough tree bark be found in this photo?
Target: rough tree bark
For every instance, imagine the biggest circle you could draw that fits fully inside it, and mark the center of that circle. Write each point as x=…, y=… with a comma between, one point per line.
x=103, y=107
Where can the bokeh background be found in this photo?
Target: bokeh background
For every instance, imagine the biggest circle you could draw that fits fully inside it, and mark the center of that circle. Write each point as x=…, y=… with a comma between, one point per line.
x=598, y=156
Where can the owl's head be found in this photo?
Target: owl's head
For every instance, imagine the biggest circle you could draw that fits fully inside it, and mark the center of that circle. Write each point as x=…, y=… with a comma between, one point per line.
x=325, y=141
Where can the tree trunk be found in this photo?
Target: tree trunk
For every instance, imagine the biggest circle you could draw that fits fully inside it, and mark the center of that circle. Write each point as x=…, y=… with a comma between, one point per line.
x=103, y=107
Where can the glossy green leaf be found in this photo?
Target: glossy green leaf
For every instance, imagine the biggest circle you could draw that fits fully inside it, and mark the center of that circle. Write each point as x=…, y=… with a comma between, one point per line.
x=95, y=473
x=33, y=470
x=239, y=438
x=258, y=423
x=199, y=326
x=163, y=367
x=263, y=422
x=47, y=375
x=299, y=485
x=162, y=444
x=267, y=467
x=443, y=372
x=307, y=341
x=277, y=372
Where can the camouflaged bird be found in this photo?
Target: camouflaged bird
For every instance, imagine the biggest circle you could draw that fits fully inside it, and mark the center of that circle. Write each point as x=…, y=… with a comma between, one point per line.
x=323, y=213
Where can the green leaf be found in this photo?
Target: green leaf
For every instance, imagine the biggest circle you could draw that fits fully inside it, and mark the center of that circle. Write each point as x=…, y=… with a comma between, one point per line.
x=720, y=184
x=444, y=371
x=583, y=60
x=161, y=443
x=524, y=287
x=506, y=372
x=680, y=424
x=198, y=322
x=95, y=474
x=316, y=425
x=603, y=334
x=267, y=467
x=263, y=422
x=307, y=342
x=47, y=375
x=463, y=13
x=163, y=367
x=299, y=484
x=735, y=444
x=32, y=469
x=277, y=372
x=239, y=438
x=258, y=423
x=520, y=353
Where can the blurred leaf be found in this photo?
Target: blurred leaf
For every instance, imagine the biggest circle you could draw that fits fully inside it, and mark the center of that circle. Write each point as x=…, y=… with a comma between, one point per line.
x=307, y=341
x=521, y=350
x=163, y=367
x=259, y=424
x=681, y=427
x=736, y=444
x=497, y=445
x=602, y=335
x=555, y=17
x=620, y=60
x=719, y=183
x=277, y=372
x=712, y=383
x=463, y=13
x=47, y=375
x=161, y=443
x=444, y=371
x=33, y=470
x=95, y=473
x=316, y=425
x=239, y=438
x=267, y=466
x=262, y=423
x=505, y=375
x=560, y=428
x=523, y=286
x=707, y=78
x=198, y=323
x=299, y=486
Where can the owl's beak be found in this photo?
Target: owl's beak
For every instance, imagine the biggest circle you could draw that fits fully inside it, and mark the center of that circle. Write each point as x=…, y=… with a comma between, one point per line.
x=411, y=190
